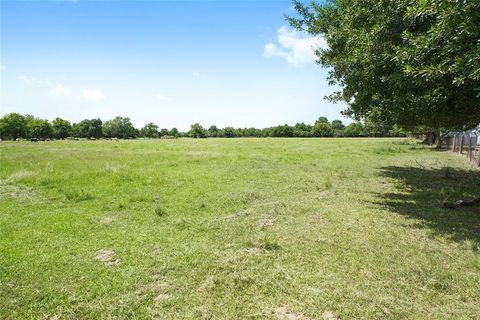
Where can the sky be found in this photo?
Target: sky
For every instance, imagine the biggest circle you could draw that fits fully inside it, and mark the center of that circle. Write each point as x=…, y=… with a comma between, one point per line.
x=172, y=63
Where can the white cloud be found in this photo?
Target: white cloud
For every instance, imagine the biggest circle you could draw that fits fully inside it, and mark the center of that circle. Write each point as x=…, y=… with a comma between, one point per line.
x=33, y=80
x=60, y=90
x=164, y=98
x=196, y=74
x=295, y=47
x=93, y=94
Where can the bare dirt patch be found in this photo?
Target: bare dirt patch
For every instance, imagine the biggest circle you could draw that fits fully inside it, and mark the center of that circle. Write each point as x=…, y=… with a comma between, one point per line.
x=106, y=220
x=162, y=297
x=108, y=256
x=327, y=315
x=14, y=192
x=283, y=313
x=266, y=222
x=20, y=175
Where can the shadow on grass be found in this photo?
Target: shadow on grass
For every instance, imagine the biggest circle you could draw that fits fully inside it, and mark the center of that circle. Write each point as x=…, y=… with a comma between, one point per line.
x=421, y=193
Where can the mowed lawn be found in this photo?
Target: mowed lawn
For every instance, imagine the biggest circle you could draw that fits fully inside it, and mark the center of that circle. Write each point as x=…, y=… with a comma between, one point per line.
x=237, y=229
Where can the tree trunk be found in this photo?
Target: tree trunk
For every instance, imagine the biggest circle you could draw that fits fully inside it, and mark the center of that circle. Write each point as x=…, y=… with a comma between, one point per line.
x=438, y=139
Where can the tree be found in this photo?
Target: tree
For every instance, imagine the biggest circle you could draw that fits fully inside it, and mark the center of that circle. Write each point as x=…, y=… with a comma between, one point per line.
x=173, y=132
x=302, y=130
x=411, y=63
x=164, y=132
x=39, y=128
x=212, y=131
x=355, y=129
x=119, y=127
x=95, y=128
x=322, y=129
x=281, y=131
x=337, y=125
x=197, y=131
x=13, y=125
x=150, y=130
x=229, y=132
x=321, y=120
x=88, y=128
x=61, y=128
x=252, y=132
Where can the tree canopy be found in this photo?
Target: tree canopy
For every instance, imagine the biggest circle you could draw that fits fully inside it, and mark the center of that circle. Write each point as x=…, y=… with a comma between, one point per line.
x=61, y=128
x=119, y=127
x=406, y=62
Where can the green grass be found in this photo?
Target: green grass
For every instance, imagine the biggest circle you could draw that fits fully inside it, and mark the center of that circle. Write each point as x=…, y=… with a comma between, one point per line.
x=237, y=229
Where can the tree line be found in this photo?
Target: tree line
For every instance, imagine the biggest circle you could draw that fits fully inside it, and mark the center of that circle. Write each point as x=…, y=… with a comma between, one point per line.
x=14, y=126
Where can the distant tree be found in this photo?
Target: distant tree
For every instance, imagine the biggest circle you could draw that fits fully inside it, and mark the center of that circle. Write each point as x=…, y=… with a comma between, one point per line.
x=322, y=129
x=61, y=128
x=355, y=129
x=150, y=130
x=338, y=128
x=398, y=131
x=252, y=132
x=281, y=131
x=95, y=129
x=13, y=126
x=197, y=131
x=173, y=132
x=240, y=132
x=212, y=131
x=164, y=132
x=220, y=133
x=337, y=125
x=322, y=120
x=302, y=130
x=266, y=132
x=229, y=132
x=88, y=128
x=39, y=128
x=119, y=127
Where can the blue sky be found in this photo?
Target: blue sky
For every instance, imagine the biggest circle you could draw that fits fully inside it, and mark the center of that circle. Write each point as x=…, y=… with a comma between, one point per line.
x=174, y=63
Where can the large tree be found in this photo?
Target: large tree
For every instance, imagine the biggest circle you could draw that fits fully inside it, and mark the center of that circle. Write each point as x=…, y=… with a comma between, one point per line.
x=407, y=62
x=120, y=127
x=150, y=130
x=61, y=128
x=88, y=128
x=197, y=131
x=39, y=128
x=13, y=126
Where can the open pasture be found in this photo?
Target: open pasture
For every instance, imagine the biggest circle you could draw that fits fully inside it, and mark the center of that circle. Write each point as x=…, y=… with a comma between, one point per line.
x=237, y=229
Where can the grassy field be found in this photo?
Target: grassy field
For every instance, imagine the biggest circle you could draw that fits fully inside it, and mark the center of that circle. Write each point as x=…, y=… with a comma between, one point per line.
x=237, y=229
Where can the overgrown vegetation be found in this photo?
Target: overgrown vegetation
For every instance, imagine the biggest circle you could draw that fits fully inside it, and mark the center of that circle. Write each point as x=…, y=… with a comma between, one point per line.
x=237, y=229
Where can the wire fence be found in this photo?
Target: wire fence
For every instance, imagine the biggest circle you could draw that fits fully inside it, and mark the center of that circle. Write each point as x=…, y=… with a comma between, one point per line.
x=466, y=143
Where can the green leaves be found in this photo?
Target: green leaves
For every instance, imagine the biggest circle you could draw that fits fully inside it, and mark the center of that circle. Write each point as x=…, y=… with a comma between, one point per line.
x=413, y=63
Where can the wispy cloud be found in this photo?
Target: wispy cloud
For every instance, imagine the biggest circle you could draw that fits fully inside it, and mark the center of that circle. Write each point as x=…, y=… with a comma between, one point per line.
x=34, y=80
x=2, y=67
x=60, y=91
x=93, y=94
x=163, y=98
x=293, y=46
x=196, y=74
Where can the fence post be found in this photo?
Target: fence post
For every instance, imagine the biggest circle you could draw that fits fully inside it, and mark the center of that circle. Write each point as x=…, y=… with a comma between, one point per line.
x=461, y=144
x=470, y=151
x=478, y=156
